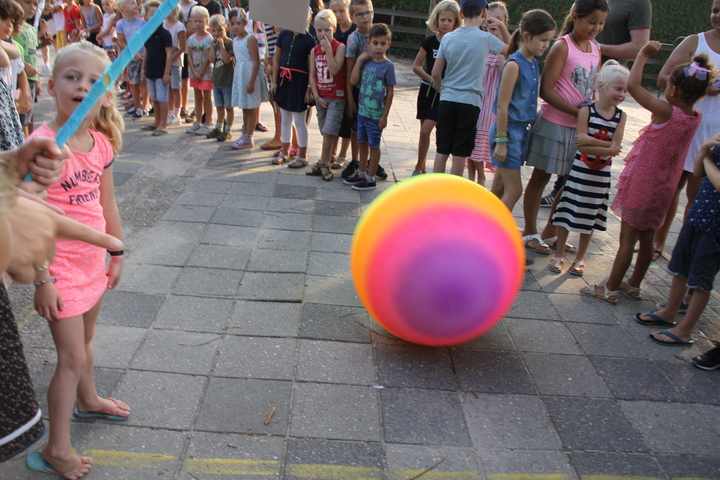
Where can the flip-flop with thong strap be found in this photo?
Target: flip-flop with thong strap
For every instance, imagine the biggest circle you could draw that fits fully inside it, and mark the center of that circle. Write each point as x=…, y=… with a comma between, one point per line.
x=655, y=320
x=37, y=463
x=101, y=415
x=678, y=342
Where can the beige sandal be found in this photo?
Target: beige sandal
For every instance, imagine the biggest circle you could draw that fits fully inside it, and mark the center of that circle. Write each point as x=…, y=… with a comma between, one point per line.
x=577, y=268
x=279, y=160
x=555, y=265
x=608, y=296
x=633, y=293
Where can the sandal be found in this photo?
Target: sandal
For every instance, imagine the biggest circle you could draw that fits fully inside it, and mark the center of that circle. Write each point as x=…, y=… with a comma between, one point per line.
x=555, y=265
x=298, y=162
x=544, y=247
x=317, y=169
x=279, y=160
x=338, y=163
x=552, y=243
x=633, y=293
x=270, y=146
x=159, y=133
x=148, y=128
x=294, y=152
x=577, y=268
x=608, y=296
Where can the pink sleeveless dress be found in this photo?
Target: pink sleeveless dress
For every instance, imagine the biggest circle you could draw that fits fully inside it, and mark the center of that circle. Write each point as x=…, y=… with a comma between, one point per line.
x=481, y=152
x=78, y=266
x=653, y=168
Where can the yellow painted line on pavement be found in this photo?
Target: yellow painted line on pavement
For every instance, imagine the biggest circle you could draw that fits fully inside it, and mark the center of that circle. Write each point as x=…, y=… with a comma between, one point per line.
x=129, y=459
x=433, y=475
x=528, y=476
x=617, y=477
x=229, y=466
x=333, y=472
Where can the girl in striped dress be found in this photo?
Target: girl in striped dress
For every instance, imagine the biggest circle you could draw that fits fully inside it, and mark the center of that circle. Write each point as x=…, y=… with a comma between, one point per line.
x=584, y=201
x=480, y=157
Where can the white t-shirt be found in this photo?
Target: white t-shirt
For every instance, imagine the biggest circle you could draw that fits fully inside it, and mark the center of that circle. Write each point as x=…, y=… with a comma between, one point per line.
x=185, y=9
x=107, y=40
x=59, y=16
x=174, y=31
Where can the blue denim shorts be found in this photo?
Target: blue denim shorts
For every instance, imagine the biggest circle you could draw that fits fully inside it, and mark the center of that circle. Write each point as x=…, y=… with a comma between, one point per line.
x=696, y=256
x=517, y=145
x=368, y=131
x=223, y=96
x=158, y=90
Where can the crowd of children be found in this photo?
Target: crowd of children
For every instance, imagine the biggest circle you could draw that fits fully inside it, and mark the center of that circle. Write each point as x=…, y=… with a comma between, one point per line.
x=479, y=89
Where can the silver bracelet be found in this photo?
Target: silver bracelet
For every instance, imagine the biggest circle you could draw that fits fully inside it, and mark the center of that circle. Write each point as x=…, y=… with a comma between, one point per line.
x=43, y=282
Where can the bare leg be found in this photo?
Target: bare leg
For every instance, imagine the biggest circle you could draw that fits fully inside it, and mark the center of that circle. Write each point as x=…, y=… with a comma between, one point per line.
x=184, y=92
x=585, y=239
x=458, y=166
x=69, y=337
x=693, y=187
x=531, y=203
x=363, y=152
x=480, y=169
x=229, y=117
x=220, y=115
x=628, y=237
x=199, y=105
x=697, y=305
x=207, y=98
x=509, y=186
x=374, y=160
x=426, y=128
x=440, y=162
x=344, y=145
x=471, y=170
x=662, y=233
x=251, y=119
x=161, y=113
x=644, y=258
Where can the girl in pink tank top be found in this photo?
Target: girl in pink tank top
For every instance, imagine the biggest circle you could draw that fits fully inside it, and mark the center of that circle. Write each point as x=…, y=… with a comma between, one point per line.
x=70, y=296
x=567, y=84
x=653, y=167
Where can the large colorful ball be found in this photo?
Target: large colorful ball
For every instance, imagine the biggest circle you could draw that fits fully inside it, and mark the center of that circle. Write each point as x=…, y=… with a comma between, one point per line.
x=437, y=260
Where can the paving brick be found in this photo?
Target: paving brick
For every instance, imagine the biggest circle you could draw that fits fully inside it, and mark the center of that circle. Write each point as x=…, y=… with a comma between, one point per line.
x=129, y=309
x=252, y=403
x=442, y=423
x=542, y=336
x=593, y=424
x=338, y=412
x=415, y=367
x=606, y=340
x=635, y=379
x=286, y=287
x=219, y=256
x=509, y=422
x=270, y=319
x=339, y=323
x=568, y=375
x=208, y=281
x=177, y=352
x=308, y=458
x=256, y=357
x=406, y=461
x=501, y=464
x=193, y=314
x=336, y=362
x=280, y=261
x=228, y=456
x=492, y=372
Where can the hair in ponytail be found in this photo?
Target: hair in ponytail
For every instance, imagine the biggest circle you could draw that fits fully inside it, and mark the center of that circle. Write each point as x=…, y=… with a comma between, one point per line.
x=693, y=79
x=582, y=8
x=534, y=22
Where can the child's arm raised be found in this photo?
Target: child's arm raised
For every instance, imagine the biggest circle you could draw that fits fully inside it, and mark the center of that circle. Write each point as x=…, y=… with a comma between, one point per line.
x=112, y=223
x=705, y=153
x=226, y=56
x=255, y=57
x=334, y=62
x=510, y=76
x=389, y=94
x=553, y=67
x=356, y=74
x=661, y=110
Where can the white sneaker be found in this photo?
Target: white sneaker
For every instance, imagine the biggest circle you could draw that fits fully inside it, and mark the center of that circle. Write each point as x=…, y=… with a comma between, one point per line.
x=195, y=127
x=46, y=70
x=173, y=120
x=203, y=130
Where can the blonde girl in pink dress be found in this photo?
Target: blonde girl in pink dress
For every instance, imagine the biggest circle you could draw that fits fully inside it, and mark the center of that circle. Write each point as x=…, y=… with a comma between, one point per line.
x=71, y=294
x=653, y=168
x=480, y=155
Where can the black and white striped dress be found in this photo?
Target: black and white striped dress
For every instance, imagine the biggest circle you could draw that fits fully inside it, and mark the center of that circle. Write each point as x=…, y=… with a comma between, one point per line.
x=584, y=202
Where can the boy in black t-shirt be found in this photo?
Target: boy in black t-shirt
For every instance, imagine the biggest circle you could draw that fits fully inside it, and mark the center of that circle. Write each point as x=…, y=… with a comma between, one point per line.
x=156, y=67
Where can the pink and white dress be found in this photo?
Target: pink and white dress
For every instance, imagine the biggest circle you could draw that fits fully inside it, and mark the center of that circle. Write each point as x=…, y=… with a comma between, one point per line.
x=481, y=152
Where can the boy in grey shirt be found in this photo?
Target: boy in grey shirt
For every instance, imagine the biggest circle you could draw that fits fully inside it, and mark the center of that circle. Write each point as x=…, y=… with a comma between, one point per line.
x=464, y=52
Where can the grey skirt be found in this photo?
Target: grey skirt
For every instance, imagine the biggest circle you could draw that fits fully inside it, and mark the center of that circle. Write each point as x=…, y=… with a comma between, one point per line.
x=552, y=147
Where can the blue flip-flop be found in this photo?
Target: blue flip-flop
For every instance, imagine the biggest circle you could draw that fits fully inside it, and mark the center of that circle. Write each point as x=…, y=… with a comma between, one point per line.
x=677, y=343
x=37, y=463
x=104, y=416
x=655, y=320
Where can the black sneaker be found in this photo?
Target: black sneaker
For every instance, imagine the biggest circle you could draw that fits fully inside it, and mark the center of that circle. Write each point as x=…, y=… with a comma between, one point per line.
x=352, y=180
x=547, y=200
x=215, y=133
x=381, y=173
x=709, y=360
x=351, y=169
x=224, y=135
x=364, y=184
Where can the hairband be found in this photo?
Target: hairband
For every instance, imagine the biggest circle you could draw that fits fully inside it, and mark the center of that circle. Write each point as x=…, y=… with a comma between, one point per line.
x=695, y=70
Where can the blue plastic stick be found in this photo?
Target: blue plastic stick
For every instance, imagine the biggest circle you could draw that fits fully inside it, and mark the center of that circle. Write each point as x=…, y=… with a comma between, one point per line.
x=111, y=73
